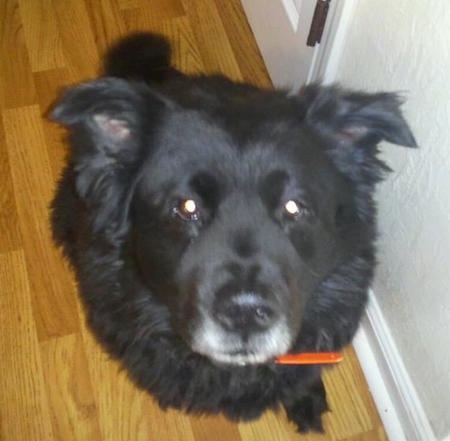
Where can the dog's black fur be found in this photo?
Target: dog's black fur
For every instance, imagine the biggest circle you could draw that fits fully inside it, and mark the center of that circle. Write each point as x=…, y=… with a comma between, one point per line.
x=197, y=303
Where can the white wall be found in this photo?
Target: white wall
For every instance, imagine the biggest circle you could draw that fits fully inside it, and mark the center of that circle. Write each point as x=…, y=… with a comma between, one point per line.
x=404, y=45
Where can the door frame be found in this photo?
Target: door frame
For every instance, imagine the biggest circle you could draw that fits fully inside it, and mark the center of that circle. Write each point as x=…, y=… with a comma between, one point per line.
x=328, y=53
x=325, y=56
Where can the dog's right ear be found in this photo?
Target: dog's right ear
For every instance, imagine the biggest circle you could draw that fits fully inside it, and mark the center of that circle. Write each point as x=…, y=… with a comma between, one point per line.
x=109, y=109
x=108, y=120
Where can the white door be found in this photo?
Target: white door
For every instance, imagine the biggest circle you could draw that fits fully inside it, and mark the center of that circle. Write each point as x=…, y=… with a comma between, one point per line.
x=281, y=29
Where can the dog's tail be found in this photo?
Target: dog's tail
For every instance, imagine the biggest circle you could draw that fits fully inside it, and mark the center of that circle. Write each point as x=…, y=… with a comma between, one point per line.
x=140, y=56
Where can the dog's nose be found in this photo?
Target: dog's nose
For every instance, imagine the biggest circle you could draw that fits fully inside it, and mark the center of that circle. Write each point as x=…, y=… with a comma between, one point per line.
x=245, y=313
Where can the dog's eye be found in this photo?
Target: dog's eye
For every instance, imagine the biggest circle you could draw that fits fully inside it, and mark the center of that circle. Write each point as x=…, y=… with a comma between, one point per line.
x=294, y=209
x=187, y=209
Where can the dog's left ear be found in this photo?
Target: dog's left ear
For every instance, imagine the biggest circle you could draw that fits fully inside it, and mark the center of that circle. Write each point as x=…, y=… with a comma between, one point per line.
x=356, y=118
x=352, y=124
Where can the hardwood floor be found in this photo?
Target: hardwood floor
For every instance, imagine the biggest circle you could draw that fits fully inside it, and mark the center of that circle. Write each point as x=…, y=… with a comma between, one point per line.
x=55, y=382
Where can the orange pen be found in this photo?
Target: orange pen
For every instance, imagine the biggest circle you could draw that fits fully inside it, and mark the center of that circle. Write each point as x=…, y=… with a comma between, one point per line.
x=310, y=358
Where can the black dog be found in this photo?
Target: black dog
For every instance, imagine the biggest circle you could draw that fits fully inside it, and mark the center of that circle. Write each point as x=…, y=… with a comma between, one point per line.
x=214, y=226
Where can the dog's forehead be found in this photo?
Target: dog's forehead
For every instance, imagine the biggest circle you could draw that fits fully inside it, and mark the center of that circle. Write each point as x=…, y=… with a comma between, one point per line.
x=188, y=137
x=191, y=140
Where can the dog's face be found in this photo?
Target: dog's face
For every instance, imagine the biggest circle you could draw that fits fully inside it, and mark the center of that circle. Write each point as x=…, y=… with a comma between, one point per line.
x=235, y=237
x=232, y=228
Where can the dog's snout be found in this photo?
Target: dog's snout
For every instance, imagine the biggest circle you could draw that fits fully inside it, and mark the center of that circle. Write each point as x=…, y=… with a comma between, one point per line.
x=245, y=313
x=244, y=244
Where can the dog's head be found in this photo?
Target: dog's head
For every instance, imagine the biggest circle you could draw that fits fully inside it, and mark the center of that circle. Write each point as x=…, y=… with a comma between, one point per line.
x=234, y=209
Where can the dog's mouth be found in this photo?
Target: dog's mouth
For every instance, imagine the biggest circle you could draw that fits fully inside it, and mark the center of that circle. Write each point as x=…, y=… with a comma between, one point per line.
x=240, y=358
x=233, y=348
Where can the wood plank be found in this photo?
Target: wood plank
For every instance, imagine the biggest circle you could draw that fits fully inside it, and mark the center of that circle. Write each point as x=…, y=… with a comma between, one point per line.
x=244, y=48
x=41, y=32
x=16, y=80
x=106, y=22
x=78, y=40
x=185, y=53
x=71, y=399
x=24, y=412
x=212, y=38
x=162, y=9
x=358, y=415
x=49, y=86
x=374, y=435
x=118, y=399
x=50, y=279
x=223, y=429
x=151, y=16
x=10, y=236
x=272, y=427
x=172, y=424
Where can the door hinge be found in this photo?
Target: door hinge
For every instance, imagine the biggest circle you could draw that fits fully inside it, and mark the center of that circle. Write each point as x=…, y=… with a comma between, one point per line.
x=318, y=22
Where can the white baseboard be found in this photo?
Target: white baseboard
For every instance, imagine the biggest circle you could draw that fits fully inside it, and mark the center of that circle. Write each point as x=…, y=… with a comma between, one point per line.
x=394, y=394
